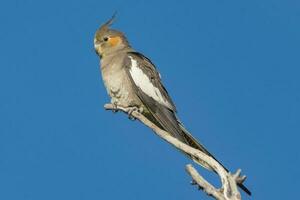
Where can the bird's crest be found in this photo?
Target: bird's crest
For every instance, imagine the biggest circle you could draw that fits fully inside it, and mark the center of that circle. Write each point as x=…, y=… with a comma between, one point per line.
x=105, y=27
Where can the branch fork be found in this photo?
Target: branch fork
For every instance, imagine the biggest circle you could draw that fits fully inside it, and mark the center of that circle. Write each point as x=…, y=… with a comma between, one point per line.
x=229, y=189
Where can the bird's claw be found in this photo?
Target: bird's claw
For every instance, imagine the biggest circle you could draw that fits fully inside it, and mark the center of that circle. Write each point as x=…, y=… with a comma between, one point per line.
x=115, y=108
x=131, y=110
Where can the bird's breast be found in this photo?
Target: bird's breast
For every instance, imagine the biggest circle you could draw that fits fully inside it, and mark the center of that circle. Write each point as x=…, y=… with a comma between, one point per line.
x=117, y=85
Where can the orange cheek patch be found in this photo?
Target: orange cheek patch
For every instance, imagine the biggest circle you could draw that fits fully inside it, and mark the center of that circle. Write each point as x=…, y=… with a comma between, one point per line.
x=113, y=41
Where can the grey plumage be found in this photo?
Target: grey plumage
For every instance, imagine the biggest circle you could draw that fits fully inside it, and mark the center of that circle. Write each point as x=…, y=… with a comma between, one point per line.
x=162, y=116
x=132, y=80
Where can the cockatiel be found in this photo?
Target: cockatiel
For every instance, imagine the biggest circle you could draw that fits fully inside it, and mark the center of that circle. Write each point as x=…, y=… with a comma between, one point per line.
x=132, y=80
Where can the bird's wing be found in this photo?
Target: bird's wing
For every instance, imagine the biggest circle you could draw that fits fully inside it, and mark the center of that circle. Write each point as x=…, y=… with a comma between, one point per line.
x=154, y=97
x=145, y=76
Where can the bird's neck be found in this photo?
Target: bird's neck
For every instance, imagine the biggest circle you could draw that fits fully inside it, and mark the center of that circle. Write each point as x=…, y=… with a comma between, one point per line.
x=110, y=56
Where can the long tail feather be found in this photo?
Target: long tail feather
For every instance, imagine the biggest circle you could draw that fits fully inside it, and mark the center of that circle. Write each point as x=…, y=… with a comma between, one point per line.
x=167, y=120
x=194, y=143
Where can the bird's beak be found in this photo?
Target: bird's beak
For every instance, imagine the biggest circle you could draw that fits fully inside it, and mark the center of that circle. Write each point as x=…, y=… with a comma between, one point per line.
x=97, y=47
x=98, y=50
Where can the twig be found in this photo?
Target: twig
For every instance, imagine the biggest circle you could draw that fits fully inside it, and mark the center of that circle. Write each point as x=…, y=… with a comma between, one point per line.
x=228, y=191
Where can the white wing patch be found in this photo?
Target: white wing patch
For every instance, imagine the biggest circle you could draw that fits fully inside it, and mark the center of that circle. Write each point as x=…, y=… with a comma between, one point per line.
x=144, y=83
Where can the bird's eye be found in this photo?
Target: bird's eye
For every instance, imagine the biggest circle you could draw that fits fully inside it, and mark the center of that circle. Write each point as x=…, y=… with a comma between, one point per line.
x=105, y=39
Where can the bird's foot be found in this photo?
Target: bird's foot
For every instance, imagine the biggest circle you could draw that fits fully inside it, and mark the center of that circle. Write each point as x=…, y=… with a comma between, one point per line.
x=131, y=110
x=115, y=107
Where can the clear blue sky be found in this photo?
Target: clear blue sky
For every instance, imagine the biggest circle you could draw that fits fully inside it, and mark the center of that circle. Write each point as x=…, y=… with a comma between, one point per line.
x=232, y=68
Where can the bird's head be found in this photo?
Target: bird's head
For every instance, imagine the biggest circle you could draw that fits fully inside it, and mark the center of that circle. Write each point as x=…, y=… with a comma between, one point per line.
x=108, y=41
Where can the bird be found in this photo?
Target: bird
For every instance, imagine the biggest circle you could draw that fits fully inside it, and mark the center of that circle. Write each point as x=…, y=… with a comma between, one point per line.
x=133, y=81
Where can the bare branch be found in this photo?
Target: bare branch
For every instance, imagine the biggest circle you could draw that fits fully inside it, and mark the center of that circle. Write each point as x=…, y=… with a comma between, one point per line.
x=203, y=184
x=228, y=191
